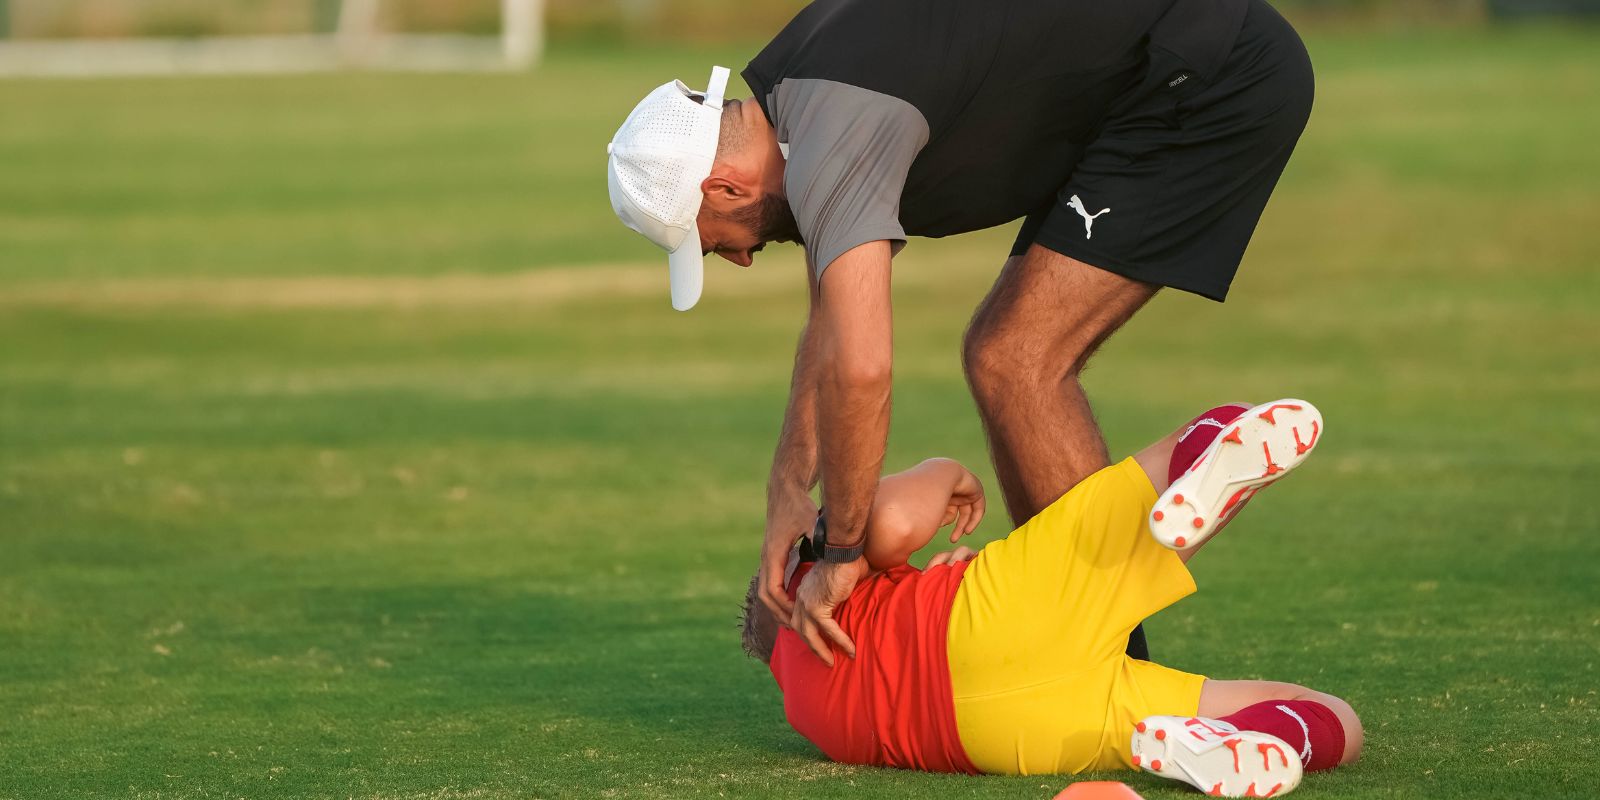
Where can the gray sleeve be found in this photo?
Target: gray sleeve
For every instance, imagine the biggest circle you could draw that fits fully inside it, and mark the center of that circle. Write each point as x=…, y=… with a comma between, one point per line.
x=849, y=152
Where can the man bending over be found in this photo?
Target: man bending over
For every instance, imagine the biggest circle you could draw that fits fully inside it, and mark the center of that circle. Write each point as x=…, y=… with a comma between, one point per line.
x=1011, y=660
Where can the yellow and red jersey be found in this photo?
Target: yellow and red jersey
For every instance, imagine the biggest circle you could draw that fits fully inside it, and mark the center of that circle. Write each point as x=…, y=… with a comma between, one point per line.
x=891, y=705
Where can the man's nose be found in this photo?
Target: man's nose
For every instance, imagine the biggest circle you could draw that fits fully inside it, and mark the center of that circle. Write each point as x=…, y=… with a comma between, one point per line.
x=741, y=257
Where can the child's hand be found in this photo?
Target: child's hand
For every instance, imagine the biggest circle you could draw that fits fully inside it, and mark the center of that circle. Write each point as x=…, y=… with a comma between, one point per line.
x=966, y=506
x=962, y=553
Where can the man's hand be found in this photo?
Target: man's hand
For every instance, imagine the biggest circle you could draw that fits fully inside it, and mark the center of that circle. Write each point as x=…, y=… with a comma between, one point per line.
x=789, y=516
x=966, y=506
x=824, y=588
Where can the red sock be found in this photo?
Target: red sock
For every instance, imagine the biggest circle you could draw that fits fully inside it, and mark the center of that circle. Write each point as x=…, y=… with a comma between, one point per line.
x=1198, y=435
x=1311, y=728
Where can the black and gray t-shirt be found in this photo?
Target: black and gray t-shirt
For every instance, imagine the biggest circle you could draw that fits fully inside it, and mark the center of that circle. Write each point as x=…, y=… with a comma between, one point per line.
x=937, y=117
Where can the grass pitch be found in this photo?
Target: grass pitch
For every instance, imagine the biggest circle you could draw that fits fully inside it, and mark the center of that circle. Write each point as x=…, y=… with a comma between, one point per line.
x=349, y=448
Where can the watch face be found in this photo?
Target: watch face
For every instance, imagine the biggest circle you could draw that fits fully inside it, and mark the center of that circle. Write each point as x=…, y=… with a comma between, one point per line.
x=819, y=533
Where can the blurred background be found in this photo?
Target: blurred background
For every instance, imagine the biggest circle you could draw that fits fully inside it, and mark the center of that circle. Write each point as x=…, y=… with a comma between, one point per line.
x=350, y=447
x=642, y=20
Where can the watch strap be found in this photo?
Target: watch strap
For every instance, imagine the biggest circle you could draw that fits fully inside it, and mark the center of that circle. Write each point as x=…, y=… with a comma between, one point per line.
x=833, y=554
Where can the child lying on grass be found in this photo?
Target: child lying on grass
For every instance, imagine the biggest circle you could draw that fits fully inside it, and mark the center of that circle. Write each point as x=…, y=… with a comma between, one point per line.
x=1011, y=660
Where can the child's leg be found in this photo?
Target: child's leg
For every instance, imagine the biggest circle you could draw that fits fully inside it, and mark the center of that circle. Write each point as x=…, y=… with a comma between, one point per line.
x=1249, y=739
x=1242, y=456
x=1168, y=457
x=911, y=506
x=1256, y=705
x=1171, y=456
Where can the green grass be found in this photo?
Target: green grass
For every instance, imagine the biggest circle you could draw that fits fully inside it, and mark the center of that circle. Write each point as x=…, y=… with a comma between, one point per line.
x=348, y=447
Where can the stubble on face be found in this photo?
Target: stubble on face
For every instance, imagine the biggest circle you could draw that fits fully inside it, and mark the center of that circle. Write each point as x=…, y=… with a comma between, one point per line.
x=769, y=217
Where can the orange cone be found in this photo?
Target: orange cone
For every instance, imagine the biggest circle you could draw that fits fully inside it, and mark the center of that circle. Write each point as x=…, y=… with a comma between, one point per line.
x=1098, y=790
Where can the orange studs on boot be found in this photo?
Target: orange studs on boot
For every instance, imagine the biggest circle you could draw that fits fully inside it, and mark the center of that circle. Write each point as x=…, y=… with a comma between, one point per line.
x=1272, y=469
x=1300, y=447
x=1267, y=415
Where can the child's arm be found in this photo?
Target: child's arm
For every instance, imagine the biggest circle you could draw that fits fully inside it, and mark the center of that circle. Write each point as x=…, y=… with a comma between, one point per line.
x=912, y=506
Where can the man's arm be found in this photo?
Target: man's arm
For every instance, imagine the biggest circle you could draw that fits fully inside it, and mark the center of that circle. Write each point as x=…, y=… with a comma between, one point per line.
x=854, y=376
x=853, y=386
x=790, y=510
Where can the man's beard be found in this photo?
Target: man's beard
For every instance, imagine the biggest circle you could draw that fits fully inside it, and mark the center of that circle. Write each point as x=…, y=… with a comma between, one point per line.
x=770, y=219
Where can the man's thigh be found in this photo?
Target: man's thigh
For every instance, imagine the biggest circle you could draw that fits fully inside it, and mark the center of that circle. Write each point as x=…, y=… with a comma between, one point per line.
x=1051, y=312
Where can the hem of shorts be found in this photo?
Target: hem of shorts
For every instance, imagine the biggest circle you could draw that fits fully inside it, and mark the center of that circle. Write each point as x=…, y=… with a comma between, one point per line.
x=1137, y=474
x=1129, y=269
x=1150, y=494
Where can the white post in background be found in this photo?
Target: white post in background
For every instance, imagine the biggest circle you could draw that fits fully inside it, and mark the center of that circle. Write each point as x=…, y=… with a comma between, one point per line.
x=522, y=23
x=358, y=30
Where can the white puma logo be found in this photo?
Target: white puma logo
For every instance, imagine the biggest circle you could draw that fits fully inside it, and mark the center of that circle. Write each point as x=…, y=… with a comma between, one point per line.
x=1088, y=219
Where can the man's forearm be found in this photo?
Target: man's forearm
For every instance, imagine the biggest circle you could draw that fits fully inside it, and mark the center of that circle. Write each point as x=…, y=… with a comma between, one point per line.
x=794, y=463
x=790, y=510
x=853, y=409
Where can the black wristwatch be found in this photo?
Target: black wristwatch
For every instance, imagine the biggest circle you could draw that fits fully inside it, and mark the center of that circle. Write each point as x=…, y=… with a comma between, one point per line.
x=828, y=552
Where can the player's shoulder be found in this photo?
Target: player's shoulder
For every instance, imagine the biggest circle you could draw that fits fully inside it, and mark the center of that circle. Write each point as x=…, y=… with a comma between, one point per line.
x=839, y=108
x=900, y=573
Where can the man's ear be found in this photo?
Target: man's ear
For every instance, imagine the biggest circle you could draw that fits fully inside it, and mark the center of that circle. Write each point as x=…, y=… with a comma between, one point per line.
x=725, y=189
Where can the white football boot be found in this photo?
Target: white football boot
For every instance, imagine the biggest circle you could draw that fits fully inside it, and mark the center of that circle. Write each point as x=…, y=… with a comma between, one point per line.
x=1216, y=757
x=1259, y=447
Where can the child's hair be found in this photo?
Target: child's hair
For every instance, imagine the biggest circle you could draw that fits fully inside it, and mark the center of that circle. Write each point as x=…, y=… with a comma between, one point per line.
x=759, y=628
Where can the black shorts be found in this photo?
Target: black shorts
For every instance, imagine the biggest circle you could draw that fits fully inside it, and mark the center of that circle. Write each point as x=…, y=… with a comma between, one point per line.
x=1171, y=187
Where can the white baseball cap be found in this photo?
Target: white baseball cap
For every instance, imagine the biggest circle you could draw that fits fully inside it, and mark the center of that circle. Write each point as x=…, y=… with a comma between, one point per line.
x=658, y=159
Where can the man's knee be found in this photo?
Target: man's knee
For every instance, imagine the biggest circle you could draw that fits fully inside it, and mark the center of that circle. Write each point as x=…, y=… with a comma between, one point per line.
x=996, y=371
x=1044, y=318
x=982, y=357
x=1000, y=356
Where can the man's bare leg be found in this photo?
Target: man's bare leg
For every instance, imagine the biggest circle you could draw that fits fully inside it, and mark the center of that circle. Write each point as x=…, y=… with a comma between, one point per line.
x=1024, y=350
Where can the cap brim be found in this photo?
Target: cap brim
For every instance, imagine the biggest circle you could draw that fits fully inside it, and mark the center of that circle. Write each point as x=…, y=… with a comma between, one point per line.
x=686, y=266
